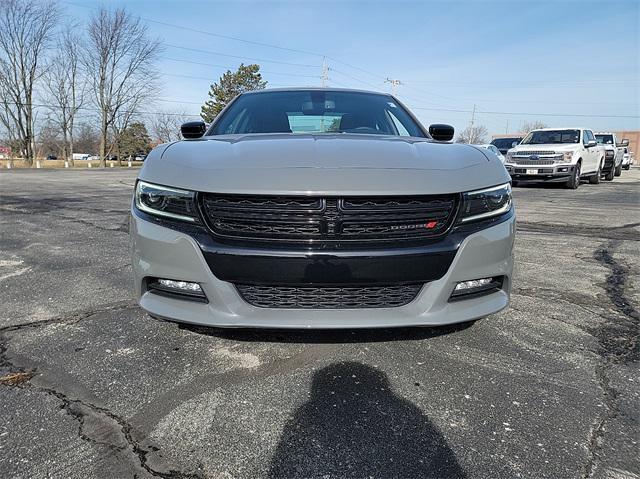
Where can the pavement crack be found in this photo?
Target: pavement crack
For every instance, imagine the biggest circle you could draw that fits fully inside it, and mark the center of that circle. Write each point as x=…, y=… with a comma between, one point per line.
x=624, y=232
x=100, y=426
x=618, y=338
x=96, y=425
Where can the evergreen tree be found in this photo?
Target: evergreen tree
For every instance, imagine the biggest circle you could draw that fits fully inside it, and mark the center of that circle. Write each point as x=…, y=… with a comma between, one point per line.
x=134, y=140
x=231, y=84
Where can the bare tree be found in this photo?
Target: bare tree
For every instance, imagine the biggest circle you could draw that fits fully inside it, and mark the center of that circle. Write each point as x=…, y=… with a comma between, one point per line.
x=26, y=31
x=165, y=126
x=65, y=87
x=119, y=60
x=534, y=125
x=473, y=134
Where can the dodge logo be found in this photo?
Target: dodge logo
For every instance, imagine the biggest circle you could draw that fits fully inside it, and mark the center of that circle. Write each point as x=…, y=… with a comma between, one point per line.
x=428, y=225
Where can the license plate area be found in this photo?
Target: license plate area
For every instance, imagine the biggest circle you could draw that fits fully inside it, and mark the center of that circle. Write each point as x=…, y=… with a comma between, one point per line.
x=532, y=171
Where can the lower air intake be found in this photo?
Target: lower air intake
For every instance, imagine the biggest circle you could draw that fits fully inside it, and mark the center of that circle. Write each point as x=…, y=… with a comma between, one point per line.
x=329, y=297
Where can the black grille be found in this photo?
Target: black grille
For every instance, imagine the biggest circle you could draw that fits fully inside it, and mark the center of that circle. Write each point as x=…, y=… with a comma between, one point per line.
x=329, y=297
x=315, y=220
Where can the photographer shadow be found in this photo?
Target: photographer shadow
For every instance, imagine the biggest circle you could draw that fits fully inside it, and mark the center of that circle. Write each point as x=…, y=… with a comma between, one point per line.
x=355, y=426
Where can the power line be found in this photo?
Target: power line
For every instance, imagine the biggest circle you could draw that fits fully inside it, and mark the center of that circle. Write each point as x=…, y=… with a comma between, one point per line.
x=528, y=113
x=301, y=75
x=209, y=52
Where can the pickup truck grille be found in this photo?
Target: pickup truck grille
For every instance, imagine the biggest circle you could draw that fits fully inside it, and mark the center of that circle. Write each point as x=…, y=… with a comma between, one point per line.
x=537, y=153
x=526, y=161
x=317, y=220
x=329, y=297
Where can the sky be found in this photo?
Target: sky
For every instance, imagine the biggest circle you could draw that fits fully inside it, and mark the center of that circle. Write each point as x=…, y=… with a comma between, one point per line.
x=566, y=63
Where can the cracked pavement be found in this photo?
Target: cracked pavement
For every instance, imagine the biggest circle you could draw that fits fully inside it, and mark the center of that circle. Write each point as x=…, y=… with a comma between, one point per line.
x=546, y=389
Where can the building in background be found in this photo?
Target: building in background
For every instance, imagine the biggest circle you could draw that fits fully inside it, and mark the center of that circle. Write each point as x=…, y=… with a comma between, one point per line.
x=634, y=139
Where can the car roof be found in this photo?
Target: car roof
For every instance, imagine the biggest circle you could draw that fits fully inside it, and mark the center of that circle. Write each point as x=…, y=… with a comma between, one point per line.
x=327, y=89
x=563, y=128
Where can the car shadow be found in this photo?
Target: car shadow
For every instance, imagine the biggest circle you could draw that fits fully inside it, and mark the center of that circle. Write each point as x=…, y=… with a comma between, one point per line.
x=326, y=336
x=355, y=426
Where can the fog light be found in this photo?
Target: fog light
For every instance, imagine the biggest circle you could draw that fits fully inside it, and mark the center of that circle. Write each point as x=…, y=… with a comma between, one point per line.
x=474, y=283
x=176, y=289
x=476, y=287
x=563, y=169
x=180, y=285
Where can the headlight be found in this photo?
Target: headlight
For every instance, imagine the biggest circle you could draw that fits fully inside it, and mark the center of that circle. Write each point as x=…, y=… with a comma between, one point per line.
x=568, y=155
x=486, y=203
x=168, y=202
x=509, y=155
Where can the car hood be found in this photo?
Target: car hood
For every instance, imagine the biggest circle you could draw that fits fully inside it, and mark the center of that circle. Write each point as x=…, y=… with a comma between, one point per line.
x=321, y=164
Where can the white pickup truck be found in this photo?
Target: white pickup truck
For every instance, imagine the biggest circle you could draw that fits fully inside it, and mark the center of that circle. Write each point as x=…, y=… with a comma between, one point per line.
x=614, y=153
x=564, y=155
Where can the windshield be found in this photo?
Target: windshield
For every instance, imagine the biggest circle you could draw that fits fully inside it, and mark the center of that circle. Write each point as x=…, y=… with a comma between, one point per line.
x=505, y=143
x=547, y=137
x=316, y=112
x=604, y=139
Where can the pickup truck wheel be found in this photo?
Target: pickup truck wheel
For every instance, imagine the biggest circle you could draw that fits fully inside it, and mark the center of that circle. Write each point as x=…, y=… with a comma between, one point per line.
x=574, y=181
x=595, y=179
x=626, y=167
x=609, y=175
x=618, y=170
x=515, y=183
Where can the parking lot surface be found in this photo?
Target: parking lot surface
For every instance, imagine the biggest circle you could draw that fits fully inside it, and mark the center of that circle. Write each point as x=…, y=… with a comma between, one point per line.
x=93, y=387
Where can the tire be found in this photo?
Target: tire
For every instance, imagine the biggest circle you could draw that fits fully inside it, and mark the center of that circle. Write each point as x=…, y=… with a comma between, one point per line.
x=574, y=181
x=515, y=183
x=595, y=179
x=610, y=174
x=626, y=167
x=618, y=170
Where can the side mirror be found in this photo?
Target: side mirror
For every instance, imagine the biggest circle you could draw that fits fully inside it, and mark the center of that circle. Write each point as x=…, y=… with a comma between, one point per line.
x=193, y=129
x=624, y=142
x=591, y=143
x=441, y=132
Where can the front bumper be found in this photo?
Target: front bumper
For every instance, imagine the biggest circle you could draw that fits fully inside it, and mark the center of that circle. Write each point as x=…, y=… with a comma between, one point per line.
x=167, y=253
x=545, y=173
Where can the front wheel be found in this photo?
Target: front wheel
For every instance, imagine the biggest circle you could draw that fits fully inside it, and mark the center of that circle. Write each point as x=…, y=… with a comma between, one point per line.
x=574, y=181
x=609, y=175
x=626, y=167
x=595, y=179
x=618, y=170
x=514, y=183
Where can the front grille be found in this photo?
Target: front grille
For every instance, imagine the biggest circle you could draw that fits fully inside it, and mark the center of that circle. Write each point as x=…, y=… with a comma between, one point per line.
x=317, y=220
x=527, y=161
x=329, y=297
x=535, y=152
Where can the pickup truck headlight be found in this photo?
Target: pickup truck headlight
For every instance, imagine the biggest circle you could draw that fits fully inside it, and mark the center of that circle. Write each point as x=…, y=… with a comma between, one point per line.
x=167, y=202
x=568, y=155
x=485, y=203
x=509, y=155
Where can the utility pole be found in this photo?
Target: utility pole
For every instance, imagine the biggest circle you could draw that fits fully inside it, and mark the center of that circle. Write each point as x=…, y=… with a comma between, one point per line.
x=394, y=84
x=472, y=135
x=325, y=73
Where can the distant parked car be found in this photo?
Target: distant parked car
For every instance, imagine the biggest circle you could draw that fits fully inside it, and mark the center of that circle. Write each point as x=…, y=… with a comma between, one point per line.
x=565, y=155
x=81, y=156
x=627, y=159
x=493, y=149
x=506, y=143
x=52, y=157
x=613, y=153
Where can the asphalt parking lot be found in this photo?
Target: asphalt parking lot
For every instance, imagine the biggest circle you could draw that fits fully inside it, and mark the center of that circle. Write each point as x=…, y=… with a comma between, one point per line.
x=93, y=387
